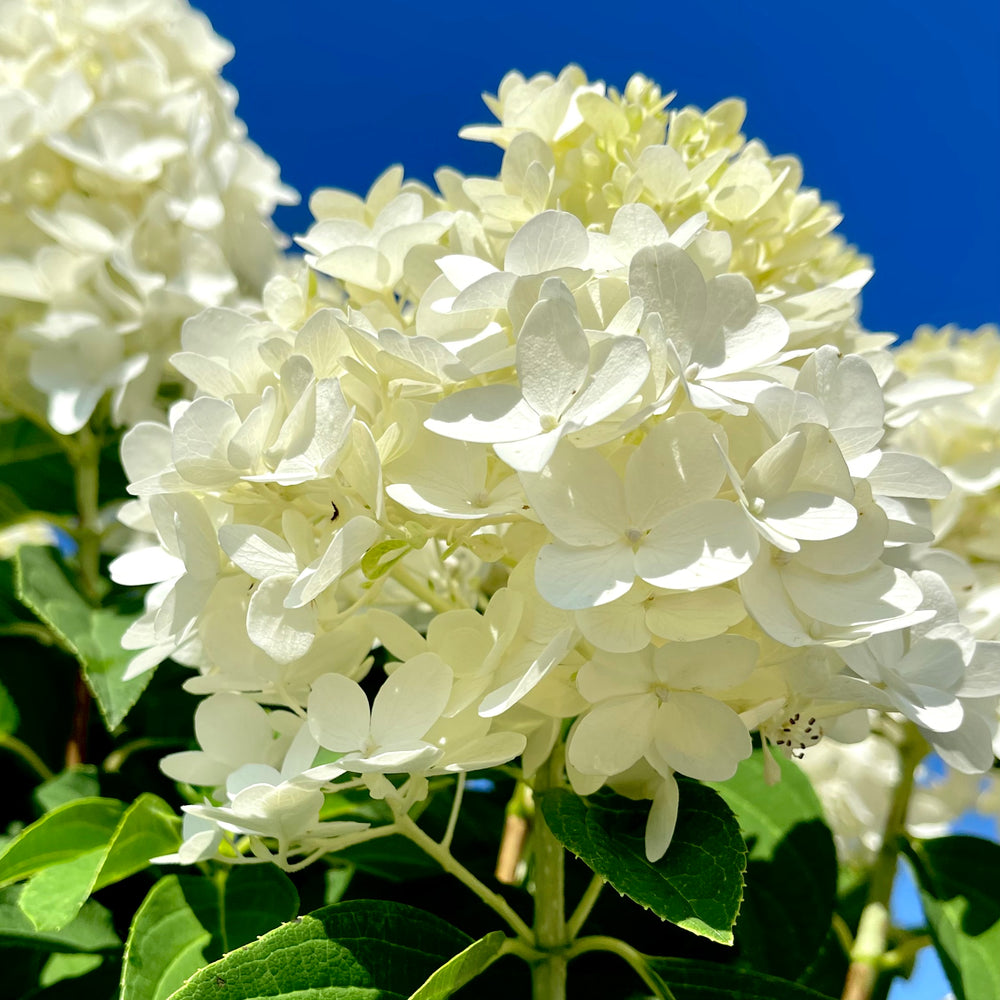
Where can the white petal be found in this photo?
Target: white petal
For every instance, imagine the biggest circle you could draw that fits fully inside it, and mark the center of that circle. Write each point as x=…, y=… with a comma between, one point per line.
x=700, y=614
x=411, y=700
x=982, y=676
x=611, y=737
x=579, y=498
x=499, y=700
x=233, y=729
x=701, y=737
x=619, y=627
x=620, y=367
x=549, y=241
x=700, y=545
x=874, y=595
x=530, y=454
x=900, y=475
x=810, y=516
x=573, y=578
x=143, y=566
x=662, y=819
x=338, y=713
x=709, y=664
x=346, y=547
x=553, y=356
x=677, y=464
x=488, y=414
x=488, y=751
x=599, y=680
x=284, y=634
x=258, y=552
x=669, y=283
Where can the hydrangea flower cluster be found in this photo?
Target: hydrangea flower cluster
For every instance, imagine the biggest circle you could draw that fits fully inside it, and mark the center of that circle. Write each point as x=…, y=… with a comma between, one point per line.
x=594, y=450
x=130, y=199
x=855, y=782
x=948, y=410
x=945, y=406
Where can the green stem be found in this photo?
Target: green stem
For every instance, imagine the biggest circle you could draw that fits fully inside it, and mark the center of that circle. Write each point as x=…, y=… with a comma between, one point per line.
x=583, y=908
x=86, y=460
x=873, y=928
x=31, y=630
x=456, y=806
x=114, y=760
x=16, y=746
x=548, y=976
x=635, y=959
x=450, y=864
x=419, y=589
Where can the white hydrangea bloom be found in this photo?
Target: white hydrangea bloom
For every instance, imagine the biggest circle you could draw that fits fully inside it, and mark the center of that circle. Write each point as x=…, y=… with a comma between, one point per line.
x=855, y=781
x=603, y=445
x=130, y=198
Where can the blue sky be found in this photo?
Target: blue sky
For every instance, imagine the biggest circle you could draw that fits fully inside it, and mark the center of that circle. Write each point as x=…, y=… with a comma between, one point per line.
x=891, y=105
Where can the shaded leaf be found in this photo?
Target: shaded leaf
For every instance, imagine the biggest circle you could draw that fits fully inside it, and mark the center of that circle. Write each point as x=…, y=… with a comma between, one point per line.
x=359, y=950
x=67, y=966
x=165, y=944
x=59, y=836
x=463, y=968
x=92, y=635
x=791, y=878
x=240, y=904
x=9, y=716
x=697, y=884
x=958, y=879
x=92, y=930
x=70, y=853
x=74, y=783
x=690, y=980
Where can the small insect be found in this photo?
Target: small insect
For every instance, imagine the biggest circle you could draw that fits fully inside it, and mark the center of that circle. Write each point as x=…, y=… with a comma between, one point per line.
x=336, y=511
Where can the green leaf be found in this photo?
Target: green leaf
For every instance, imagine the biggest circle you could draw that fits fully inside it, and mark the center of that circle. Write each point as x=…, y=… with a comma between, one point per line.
x=958, y=879
x=360, y=950
x=75, y=783
x=697, y=884
x=64, y=966
x=791, y=878
x=61, y=835
x=240, y=904
x=165, y=944
x=379, y=559
x=463, y=968
x=690, y=980
x=53, y=896
x=9, y=716
x=92, y=635
x=92, y=930
x=392, y=859
x=34, y=473
x=336, y=882
x=148, y=829
x=71, y=852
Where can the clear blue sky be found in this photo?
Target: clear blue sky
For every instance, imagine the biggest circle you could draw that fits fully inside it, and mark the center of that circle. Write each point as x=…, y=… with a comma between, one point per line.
x=891, y=105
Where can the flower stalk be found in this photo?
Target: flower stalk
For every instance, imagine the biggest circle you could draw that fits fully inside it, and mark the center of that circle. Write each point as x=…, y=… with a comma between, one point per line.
x=548, y=976
x=867, y=954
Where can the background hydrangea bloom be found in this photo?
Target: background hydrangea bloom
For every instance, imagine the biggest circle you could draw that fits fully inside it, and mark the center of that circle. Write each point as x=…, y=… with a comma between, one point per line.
x=131, y=199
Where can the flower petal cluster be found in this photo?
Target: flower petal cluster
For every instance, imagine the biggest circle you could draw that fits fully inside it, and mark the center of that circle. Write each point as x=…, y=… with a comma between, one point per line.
x=564, y=452
x=130, y=199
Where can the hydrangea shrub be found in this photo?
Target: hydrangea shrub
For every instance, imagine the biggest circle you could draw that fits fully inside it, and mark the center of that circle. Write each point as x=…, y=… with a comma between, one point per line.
x=579, y=490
